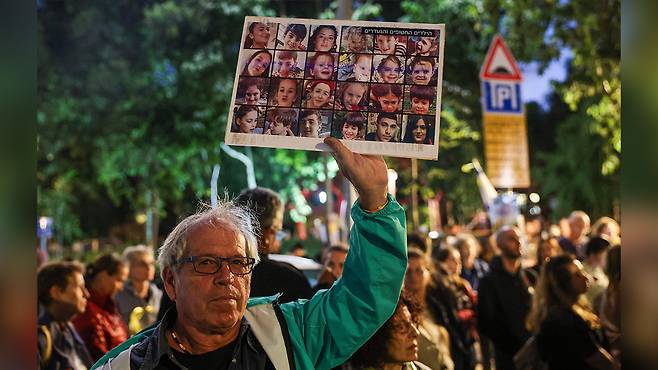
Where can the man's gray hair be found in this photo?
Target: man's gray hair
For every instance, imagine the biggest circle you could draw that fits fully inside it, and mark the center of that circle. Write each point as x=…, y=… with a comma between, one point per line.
x=130, y=254
x=226, y=215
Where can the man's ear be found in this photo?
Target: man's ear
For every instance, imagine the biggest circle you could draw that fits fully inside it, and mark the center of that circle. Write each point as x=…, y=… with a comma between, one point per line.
x=169, y=283
x=55, y=293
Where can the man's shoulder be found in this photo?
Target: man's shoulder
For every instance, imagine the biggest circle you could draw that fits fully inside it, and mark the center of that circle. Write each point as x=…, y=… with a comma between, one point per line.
x=267, y=266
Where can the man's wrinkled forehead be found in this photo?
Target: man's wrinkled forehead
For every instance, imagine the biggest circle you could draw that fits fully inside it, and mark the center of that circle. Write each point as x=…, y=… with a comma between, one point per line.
x=209, y=230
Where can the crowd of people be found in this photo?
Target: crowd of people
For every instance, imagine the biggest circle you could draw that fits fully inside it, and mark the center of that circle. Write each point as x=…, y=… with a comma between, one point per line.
x=466, y=300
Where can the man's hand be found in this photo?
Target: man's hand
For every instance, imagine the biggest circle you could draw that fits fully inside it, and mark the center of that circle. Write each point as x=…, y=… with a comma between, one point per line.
x=368, y=174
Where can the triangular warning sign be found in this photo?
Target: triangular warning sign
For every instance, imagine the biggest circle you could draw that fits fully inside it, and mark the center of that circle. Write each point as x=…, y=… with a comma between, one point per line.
x=499, y=63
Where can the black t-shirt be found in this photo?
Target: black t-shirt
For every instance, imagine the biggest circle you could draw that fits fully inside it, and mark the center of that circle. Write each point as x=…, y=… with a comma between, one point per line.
x=219, y=359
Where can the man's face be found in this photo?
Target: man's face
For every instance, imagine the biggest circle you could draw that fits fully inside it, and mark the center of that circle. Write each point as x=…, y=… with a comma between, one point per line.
x=420, y=106
x=353, y=95
x=386, y=129
x=212, y=304
x=389, y=102
x=578, y=227
x=142, y=268
x=417, y=275
x=290, y=41
x=335, y=261
x=73, y=296
x=511, y=244
x=310, y=125
x=421, y=73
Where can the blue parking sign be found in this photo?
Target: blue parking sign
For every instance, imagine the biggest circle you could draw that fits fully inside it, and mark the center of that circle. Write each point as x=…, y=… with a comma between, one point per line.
x=502, y=97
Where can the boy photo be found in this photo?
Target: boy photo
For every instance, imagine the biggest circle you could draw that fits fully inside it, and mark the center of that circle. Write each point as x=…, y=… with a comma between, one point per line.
x=383, y=127
x=252, y=91
x=420, y=99
x=292, y=36
x=281, y=122
x=390, y=44
x=287, y=64
x=349, y=125
x=321, y=66
x=314, y=123
x=422, y=71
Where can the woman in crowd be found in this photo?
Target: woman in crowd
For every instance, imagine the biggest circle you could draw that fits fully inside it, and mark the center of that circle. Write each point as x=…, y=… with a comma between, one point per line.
x=566, y=329
x=101, y=326
x=395, y=345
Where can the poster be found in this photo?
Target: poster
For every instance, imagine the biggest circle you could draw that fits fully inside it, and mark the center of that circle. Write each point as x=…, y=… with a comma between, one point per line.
x=374, y=85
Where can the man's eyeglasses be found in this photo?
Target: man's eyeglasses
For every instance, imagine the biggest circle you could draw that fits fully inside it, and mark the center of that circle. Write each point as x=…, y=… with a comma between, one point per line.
x=209, y=265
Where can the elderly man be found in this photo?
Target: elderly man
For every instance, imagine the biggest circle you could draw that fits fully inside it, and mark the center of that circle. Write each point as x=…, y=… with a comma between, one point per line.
x=61, y=290
x=578, y=229
x=139, y=300
x=206, y=263
x=504, y=299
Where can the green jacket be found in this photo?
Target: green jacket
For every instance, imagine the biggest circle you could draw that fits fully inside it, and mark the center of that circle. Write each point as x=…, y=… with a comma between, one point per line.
x=327, y=329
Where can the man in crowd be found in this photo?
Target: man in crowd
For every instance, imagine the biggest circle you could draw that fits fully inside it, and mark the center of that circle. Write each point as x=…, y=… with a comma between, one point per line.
x=578, y=229
x=504, y=299
x=272, y=277
x=333, y=261
x=61, y=290
x=206, y=265
x=139, y=300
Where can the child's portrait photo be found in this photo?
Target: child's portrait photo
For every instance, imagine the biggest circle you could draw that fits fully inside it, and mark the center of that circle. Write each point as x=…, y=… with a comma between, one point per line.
x=323, y=38
x=314, y=123
x=422, y=71
x=427, y=46
x=321, y=66
x=351, y=95
x=260, y=35
x=420, y=99
x=349, y=125
x=252, y=90
x=285, y=92
x=418, y=129
x=288, y=64
x=388, y=69
x=390, y=44
x=319, y=94
x=247, y=119
x=355, y=67
x=354, y=41
x=281, y=122
x=385, y=98
x=292, y=36
x=256, y=63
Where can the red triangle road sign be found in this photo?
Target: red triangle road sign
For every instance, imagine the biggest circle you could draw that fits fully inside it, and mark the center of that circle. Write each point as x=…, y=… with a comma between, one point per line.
x=499, y=64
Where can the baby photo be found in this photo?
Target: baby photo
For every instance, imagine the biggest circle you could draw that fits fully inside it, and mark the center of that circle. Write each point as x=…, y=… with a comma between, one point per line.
x=292, y=36
x=385, y=98
x=420, y=99
x=314, y=123
x=247, y=119
x=323, y=38
x=424, y=45
x=260, y=35
x=355, y=67
x=319, y=94
x=349, y=125
x=288, y=64
x=387, y=44
x=351, y=95
x=388, y=69
x=256, y=63
x=422, y=71
x=252, y=90
x=321, y=66
x=354, y=41
x=281, y=122
x=285, y=92
x=418, y=129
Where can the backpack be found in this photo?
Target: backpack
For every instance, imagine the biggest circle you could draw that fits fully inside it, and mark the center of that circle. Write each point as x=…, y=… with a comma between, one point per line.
x=528, y=357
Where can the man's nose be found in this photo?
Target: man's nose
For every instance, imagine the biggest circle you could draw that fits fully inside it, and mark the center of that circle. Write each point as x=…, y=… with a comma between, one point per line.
x=223, y=276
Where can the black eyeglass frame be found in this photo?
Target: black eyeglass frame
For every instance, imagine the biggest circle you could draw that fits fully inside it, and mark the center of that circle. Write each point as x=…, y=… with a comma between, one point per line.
x=220, y=262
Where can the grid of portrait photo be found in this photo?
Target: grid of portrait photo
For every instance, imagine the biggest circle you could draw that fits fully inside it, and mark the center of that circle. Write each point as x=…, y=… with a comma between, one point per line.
x=357, y=81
